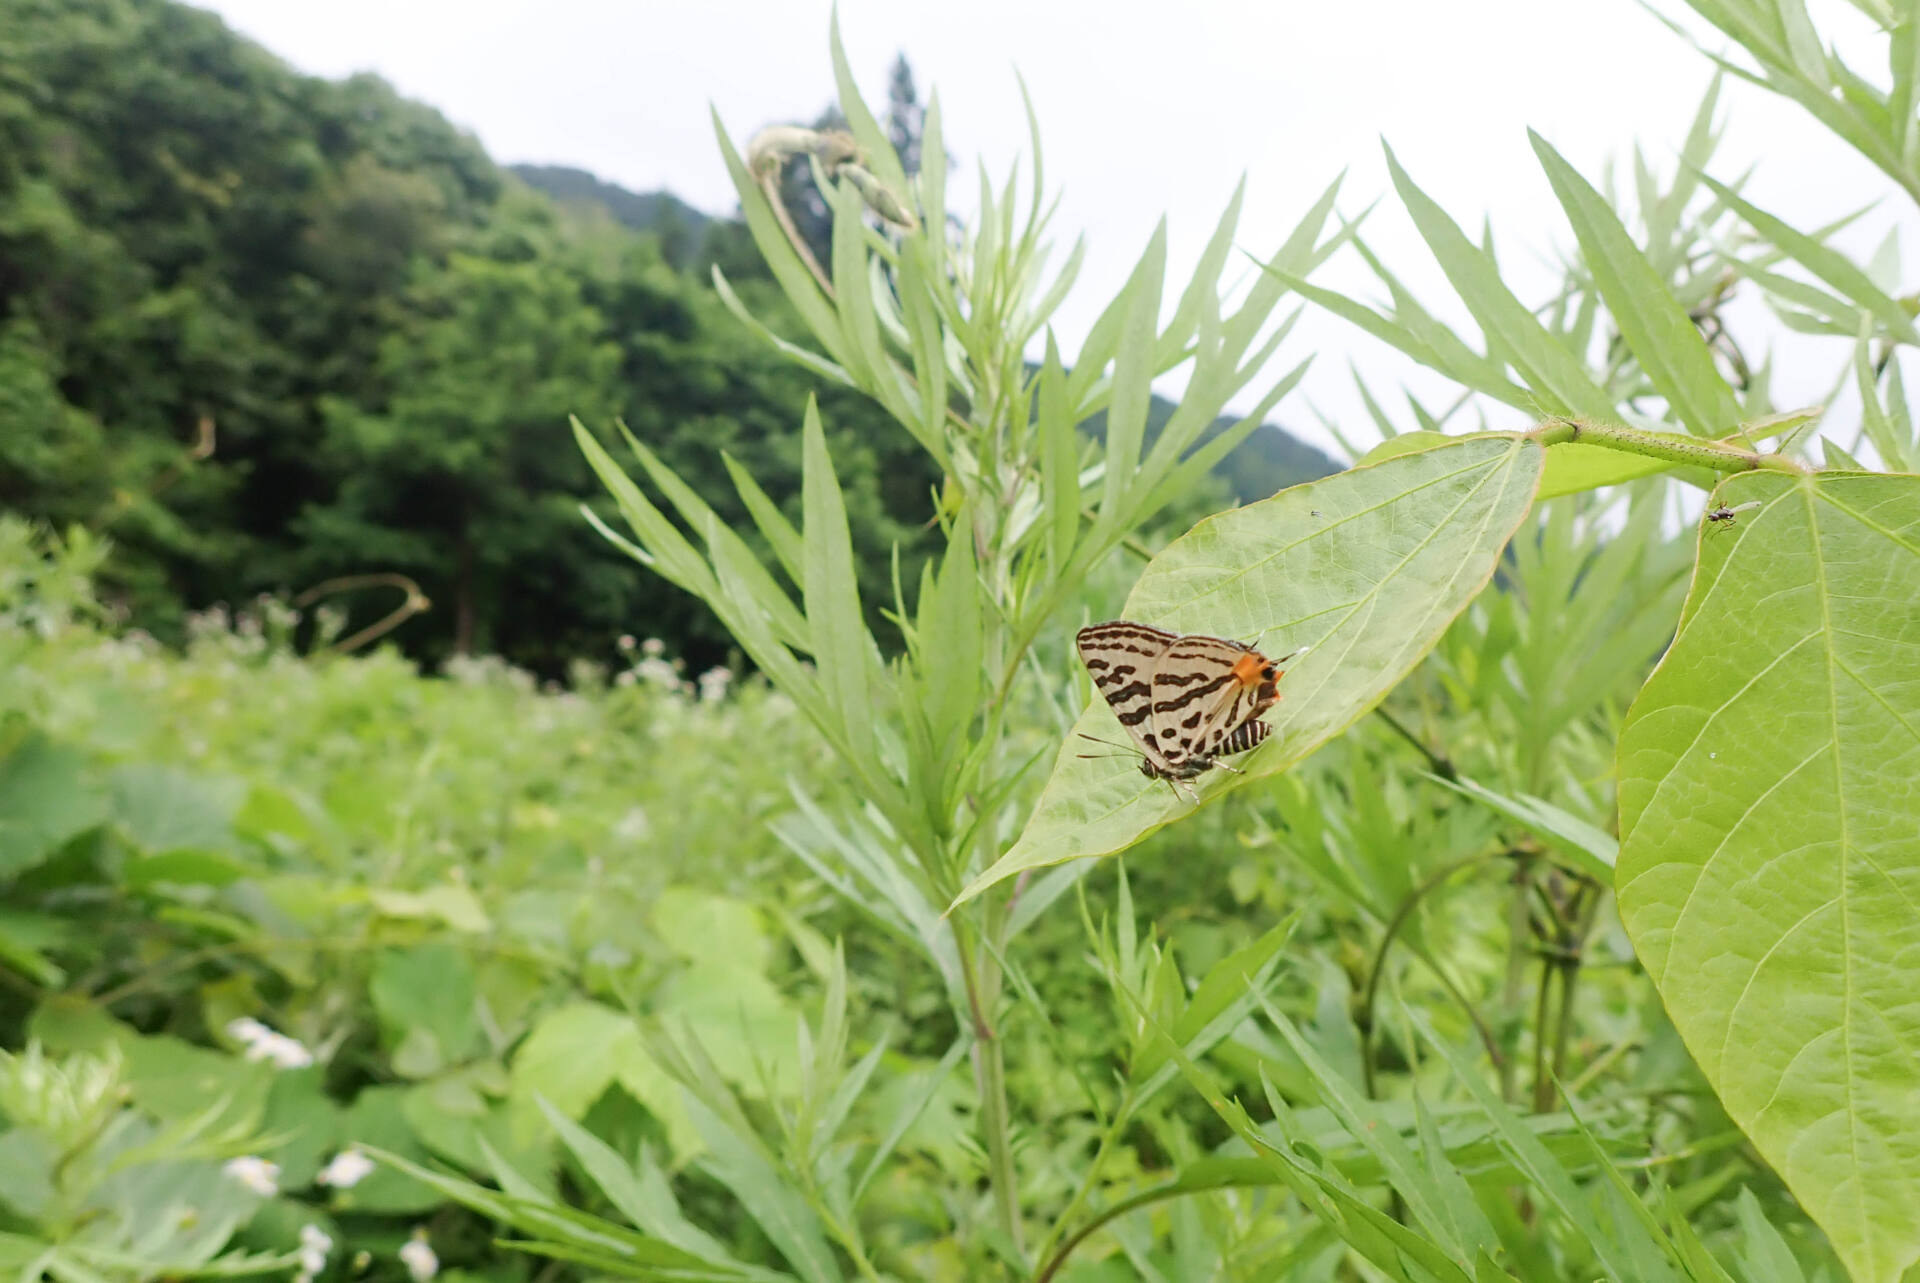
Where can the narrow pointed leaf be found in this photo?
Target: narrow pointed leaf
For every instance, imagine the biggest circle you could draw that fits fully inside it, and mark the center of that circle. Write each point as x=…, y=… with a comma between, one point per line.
x=813, y=361
x=1592, y=849
x=1657, y=329
x=866, y=130
x=1830, y=265
x=796, y=282
x=839, y=631
x=1556, y=375
x=774, y=526
x=1133, y=374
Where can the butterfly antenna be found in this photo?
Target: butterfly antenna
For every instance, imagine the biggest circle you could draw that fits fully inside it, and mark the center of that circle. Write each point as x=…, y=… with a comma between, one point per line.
x=1109, y=743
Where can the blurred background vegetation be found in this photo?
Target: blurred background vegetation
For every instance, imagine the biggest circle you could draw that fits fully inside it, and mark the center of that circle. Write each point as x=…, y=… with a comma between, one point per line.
x=265, y=330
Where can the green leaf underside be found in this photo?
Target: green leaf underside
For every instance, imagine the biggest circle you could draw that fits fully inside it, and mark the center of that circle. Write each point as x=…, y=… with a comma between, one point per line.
x=1769, y=868
x=1363, y=570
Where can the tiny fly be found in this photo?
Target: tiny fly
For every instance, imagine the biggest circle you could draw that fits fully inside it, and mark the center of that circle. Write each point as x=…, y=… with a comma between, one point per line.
x=1723, y=515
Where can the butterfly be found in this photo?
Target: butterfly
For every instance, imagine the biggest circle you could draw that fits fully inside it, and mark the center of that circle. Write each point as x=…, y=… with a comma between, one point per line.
x=1186, y=701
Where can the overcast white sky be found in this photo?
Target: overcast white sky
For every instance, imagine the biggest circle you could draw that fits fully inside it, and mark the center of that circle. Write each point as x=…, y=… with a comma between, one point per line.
x=1145, y=109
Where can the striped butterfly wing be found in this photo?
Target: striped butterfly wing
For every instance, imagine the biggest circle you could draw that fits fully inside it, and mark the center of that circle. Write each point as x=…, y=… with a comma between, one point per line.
x=1120, y=656
x=1207, y=693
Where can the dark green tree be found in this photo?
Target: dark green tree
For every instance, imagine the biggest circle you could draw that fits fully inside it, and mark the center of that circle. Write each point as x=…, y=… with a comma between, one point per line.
x=906, y=118
x=460, y=475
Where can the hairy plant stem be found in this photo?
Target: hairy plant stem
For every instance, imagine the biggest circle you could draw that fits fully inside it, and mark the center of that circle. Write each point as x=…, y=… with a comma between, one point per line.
x=1720, y=456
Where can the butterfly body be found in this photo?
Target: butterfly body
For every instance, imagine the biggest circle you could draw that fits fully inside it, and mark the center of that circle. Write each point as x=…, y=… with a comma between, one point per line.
x=1185, y=700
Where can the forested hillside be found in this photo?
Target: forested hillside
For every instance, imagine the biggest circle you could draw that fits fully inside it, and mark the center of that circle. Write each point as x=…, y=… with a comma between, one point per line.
x=263, y=329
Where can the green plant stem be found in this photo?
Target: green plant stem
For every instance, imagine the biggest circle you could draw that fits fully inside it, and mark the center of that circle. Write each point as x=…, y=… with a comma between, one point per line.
x=1159, y=1193
x=1569, y=969
x=1517, y=924
x=1585, y=909
x=1438, y=762
x=990, y=1078
x=1400, y=915
x=990, y=1082
x=1542, y=1080
x=1604, y=1061
x=848, y=1240
x=1673, y=448
x=1047, y=1252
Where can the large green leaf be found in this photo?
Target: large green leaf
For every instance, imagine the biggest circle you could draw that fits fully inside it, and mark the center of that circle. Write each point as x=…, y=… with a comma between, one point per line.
x=47, y=796
x=1769, y=867
x=1362, y=570
x=425, y=999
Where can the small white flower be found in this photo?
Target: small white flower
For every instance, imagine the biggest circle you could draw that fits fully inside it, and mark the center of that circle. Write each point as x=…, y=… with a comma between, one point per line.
x=315, y=1243
x=246, y=1029
x=653, y=648
x=264, y=1044
x=633, y=826
x=714, y=683
x=256, y=1173
x=348, y=1168
x=658, y=672
x=289, y=1054
x=627, y=642
x=418, y=1257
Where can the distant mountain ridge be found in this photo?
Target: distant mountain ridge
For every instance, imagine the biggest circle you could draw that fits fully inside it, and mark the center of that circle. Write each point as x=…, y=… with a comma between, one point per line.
x=642, y=211
x=1270, y=459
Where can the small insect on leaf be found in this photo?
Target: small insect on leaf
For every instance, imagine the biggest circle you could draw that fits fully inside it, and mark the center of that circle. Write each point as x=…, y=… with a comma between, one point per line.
x=1723, y=516
x=1186, y=701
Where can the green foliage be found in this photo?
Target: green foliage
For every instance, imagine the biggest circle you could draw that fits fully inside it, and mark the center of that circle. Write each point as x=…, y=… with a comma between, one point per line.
x=455, y=466
x=1396, y=552
x=1767, y=816
x=267, y=330
x=658, y=984
x=105, y=1189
